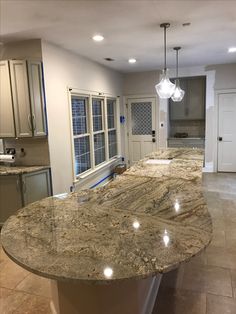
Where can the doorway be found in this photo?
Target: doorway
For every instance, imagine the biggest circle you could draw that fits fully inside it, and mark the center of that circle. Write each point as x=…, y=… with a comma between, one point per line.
x=142, y=127
x=227, y=132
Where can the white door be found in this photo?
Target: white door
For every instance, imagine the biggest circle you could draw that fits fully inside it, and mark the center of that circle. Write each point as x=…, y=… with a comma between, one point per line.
x=142, y=121
x=227, y=132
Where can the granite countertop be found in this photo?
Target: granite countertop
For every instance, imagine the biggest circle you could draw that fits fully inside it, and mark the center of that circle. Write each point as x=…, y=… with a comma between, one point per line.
x=15, y=170
x=147, y=221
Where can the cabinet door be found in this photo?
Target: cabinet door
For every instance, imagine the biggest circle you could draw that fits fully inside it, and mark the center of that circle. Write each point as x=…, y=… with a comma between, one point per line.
x=7, y=128
x=196, y=99
x=37, y=97
x=178, y=108
x=36, y=186
x=21, y=100
x=10, y=196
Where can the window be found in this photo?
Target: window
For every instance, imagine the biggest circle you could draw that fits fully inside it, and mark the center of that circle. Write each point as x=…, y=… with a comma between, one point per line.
x=94, y=131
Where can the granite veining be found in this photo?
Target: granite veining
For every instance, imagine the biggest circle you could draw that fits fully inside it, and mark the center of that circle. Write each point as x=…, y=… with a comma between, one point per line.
x=15, y=170
x=147, y=221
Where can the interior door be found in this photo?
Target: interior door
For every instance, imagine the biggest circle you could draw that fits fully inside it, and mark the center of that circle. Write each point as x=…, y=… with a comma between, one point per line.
x=227, y=132
x=142, y=120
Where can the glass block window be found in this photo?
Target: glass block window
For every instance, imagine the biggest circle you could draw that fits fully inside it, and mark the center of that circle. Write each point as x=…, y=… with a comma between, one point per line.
x=99, y=148
x=141, y=117
x=97, y=114
x=112, y=143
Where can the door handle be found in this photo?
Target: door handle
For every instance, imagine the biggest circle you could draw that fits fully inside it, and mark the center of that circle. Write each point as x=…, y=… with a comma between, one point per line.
x=34, y=122
x=220, y=139
x=153, y=133
x=30, y=122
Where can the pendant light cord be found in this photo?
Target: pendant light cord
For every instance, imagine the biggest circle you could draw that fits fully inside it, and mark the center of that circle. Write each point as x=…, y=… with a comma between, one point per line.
x=165, y=48
x=177, y=63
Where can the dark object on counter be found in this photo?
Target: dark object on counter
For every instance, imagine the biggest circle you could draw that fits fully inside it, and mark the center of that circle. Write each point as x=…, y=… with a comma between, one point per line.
x=181, y=135
x=119, y=169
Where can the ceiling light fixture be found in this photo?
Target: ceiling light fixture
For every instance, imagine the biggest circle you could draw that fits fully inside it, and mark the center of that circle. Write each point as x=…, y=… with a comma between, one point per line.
x=132, y=60
x=165, y=88
x=98, y=37
x=232, y=49
x=178, y=92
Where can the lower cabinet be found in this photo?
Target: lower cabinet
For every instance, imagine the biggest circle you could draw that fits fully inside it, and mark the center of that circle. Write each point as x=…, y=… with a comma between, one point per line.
x=17, y=191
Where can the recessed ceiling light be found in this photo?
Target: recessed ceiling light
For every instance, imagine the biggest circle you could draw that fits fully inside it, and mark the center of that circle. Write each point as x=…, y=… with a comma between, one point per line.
x=132, y=60
x=98, y=37
x=232, y=49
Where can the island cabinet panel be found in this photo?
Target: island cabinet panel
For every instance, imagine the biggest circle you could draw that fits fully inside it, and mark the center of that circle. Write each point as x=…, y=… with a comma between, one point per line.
x=10, y=196
x=21, y=100
x=35, y=186
x=192, y=106
x=7, y=128
x=37, y=97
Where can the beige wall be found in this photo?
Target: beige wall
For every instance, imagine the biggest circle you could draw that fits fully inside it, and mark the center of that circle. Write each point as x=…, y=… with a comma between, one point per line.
x=225, y=75
x=63, y=69
x=26, y=49
x=35, y=149
x=141, y=83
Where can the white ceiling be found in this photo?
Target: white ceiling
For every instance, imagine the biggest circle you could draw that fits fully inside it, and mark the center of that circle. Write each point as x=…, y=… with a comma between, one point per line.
x=131, y=29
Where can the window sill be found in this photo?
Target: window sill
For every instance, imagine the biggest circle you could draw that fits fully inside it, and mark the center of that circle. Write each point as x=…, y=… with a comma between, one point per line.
x=98, y=169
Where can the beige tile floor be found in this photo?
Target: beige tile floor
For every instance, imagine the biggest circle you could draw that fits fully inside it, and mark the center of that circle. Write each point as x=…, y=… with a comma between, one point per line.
x=205, y=285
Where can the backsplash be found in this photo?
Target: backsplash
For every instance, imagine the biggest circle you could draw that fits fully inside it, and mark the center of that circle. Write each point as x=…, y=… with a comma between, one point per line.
x=35, y=151
x=194, y=128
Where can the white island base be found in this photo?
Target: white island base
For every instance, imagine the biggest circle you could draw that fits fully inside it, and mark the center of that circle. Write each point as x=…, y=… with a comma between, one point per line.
x=124, y=297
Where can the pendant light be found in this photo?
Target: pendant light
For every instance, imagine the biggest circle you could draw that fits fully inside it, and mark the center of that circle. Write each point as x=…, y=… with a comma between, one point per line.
x=165, y=88
x=178, y=92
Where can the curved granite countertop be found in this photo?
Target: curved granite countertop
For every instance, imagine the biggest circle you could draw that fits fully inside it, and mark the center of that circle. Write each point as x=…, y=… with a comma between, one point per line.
x=15, y=170
x=147, y=221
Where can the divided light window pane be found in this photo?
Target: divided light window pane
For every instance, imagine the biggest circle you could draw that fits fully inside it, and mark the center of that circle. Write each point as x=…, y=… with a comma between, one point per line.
x=110, y=113
x=99, y=148
x=112, y=143
x=81, y=134
x=82, y=154
x=79, y=115
x=97, y=114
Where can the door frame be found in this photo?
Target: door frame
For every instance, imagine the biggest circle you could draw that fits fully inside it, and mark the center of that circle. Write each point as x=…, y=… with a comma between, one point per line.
x=137, y=96
x=216, y=124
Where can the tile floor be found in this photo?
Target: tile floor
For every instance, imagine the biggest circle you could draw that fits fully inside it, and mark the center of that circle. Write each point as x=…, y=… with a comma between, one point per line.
x=205, y=285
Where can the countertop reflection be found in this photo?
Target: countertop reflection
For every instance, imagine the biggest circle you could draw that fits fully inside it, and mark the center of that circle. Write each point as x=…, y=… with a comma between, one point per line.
x=146, y=221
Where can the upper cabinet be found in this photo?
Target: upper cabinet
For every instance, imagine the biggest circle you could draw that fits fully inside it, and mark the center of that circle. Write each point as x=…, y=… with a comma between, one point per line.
x=192, y=107
x=7, y=128
x=27, y=105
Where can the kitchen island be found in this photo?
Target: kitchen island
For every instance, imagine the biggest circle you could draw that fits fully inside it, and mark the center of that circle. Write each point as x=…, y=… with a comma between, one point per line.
x=106, y=248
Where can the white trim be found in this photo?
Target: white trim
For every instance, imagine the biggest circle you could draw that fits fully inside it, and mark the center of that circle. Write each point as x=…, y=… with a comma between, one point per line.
x=89, y=97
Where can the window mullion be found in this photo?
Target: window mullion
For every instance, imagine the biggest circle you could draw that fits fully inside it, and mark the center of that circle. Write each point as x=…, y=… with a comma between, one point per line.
x=117, y=124
x=90, y=116
x=106, y=128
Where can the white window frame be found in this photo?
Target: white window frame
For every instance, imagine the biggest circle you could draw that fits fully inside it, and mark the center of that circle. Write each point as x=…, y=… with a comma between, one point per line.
x=91, y=133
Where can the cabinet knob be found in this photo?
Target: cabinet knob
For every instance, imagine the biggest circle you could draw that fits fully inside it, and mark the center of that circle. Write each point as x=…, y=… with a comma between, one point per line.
x=220, y=139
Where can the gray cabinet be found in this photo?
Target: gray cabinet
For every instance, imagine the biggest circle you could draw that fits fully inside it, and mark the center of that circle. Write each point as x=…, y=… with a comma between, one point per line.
x=17, y=191
x=35, y=186
x=10, y=196
x=7, y=128
x=21, y=100
x=192, y=107
x=23, y=91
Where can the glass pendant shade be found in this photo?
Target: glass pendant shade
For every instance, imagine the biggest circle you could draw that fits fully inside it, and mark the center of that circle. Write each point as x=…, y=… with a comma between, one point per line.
x=165, y=88
x=178, y=94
